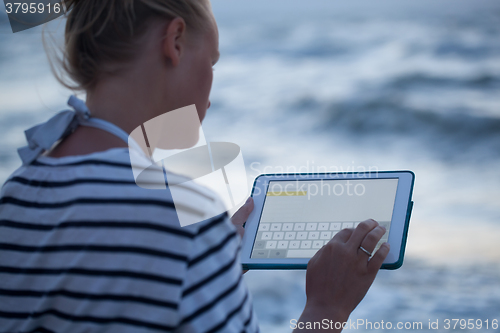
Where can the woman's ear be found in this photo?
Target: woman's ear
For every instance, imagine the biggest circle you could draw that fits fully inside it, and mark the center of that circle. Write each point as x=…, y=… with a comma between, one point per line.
x=174, y=40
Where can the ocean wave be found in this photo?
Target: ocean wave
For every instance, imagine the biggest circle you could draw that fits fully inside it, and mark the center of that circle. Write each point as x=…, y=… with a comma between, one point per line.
x=449, y=131
x=390, y=114
x=450, y=48
x=418, y=80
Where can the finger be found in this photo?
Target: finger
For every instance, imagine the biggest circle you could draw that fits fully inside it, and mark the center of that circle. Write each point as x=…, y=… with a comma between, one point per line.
x=241, y=216
x=360, y=232
x=343, y=235
x=378, y=258
x=372, y=238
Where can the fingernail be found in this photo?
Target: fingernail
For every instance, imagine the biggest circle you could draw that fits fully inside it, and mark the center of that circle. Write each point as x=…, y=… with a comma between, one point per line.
x=248, y=200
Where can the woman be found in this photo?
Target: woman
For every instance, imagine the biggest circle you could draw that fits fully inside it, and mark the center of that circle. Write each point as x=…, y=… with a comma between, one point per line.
x=85, y=249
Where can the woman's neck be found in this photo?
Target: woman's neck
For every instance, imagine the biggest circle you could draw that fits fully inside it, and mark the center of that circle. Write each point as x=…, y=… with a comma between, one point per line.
x=86, y=140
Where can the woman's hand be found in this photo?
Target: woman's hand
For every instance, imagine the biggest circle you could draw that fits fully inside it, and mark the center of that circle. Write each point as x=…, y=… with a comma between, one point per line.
x=240, y=217
x=340, y=274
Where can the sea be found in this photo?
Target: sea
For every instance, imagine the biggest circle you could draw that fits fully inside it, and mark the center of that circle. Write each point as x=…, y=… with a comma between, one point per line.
x=314, y=86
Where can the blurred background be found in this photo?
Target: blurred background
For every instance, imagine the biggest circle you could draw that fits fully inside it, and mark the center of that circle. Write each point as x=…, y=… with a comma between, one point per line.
x=304, y=86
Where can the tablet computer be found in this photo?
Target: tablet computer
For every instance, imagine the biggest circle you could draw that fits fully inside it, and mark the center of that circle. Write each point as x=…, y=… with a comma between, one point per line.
x=296, y=214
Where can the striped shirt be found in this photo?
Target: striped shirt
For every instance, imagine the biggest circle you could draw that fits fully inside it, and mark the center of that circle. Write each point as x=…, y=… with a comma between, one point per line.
x=84, y=249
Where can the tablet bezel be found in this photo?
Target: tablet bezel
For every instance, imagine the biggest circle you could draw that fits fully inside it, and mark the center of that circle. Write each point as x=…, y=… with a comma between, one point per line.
x=399, y=224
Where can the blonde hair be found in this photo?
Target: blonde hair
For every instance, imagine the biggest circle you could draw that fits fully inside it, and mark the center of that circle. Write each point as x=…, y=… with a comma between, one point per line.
x=103, y=32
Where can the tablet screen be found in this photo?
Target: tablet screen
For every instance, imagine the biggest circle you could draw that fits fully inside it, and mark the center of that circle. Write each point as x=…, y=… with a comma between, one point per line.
x=301, y=216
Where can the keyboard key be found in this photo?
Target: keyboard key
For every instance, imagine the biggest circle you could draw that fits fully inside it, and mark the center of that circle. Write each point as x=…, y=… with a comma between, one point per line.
x=260, y=254
x=301, y=253
x=277, y=254
x=294, y=244
x=271, y=245
x=282, y=244
x=267, y=235
x=290, y=235
x=259, y=245
x=311, y=226
x=264, y=227
x=323, y=226
x=387, y=225
x=317, y=244
x=313, y=235
x=347, y=225
x=305, y=244
x=278, y=235
x=302, y=235
x=335, y=226
x=287, y=227
x=299, y=226
x=326, y=235
x=275, y=226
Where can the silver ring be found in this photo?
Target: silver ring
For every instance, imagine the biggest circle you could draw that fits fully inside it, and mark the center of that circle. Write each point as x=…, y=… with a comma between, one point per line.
x=365, y=251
